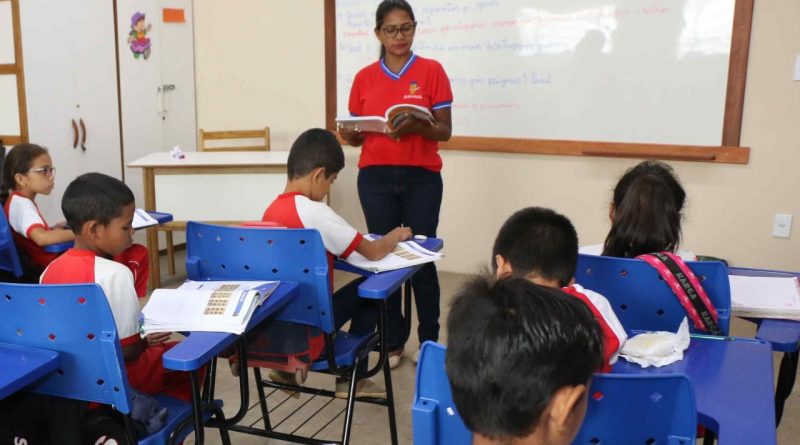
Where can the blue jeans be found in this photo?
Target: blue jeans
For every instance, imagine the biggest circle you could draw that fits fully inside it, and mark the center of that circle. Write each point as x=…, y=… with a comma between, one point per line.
x=392, y=196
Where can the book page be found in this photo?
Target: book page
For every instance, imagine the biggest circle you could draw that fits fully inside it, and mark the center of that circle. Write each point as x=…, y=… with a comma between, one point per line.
x=373, y=124
x=767, y=294
x=143, y=219
x=225, y=308
x=405, y=254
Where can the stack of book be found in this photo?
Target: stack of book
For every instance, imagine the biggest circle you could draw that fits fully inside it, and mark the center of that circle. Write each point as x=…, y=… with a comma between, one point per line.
x=213, y=306
x=765, y=297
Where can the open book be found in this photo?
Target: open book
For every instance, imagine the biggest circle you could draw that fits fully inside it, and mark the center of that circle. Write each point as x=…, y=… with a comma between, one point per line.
x=214, y=306
x=384, y=124
x=142, y=219
x=406, y=254
x=765, y=297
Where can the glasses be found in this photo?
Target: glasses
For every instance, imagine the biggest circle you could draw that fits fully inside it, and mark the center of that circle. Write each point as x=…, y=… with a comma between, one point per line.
x=47, y=171
x=405, y=29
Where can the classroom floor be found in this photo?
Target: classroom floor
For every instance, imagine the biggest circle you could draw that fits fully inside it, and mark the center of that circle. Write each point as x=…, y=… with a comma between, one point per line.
x=370, y=424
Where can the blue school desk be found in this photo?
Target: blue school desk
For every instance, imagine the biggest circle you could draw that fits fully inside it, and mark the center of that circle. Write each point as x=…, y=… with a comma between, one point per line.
x=732, y=380
x=23, y=365
x=199, y=348
x=783, y=335
x=161, y=217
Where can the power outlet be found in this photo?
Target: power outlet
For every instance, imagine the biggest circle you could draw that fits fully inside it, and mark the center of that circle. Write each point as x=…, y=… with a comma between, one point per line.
x=782, y=227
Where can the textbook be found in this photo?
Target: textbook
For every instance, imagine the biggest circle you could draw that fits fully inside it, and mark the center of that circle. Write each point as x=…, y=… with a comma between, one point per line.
x=142, y=219
x=212, y=306
x=406, y=254
x=384, y=124
x=765, y=297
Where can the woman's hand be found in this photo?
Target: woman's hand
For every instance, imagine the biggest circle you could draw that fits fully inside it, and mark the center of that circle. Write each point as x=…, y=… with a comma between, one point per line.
x=353, y=137
x=439, y=130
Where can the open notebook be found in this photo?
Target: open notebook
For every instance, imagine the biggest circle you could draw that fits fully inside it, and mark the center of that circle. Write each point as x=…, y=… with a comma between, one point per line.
x=406, y=254
x=214, y=306
x=765, y=297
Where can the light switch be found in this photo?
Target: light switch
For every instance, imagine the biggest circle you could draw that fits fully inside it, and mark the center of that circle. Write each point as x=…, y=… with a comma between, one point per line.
x=782, y=227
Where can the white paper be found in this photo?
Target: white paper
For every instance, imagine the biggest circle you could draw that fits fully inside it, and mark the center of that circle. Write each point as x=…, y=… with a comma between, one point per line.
x=143, y=219
x=658, y=348
x=765, y=296
x=204, y=306
x=406, y=254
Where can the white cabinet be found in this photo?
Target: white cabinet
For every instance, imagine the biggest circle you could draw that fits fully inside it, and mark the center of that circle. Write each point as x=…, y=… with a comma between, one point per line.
x=71, y=67
x=70, y=75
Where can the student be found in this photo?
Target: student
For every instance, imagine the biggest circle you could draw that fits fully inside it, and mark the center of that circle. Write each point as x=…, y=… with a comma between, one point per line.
x=28, y=171
x=542, y=246
x=645, y=214
x=520, y=358
x=99, y=210
x=315, y=159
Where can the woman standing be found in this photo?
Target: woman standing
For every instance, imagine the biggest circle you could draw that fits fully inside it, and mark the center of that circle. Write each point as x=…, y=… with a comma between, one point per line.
x=399, y=179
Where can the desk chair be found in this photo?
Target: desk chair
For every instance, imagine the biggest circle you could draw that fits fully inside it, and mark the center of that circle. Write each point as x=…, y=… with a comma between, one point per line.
x=261, y=138
x=76, y=321
x=645, y=409
x=640, y=298
x=10, y=264
x=244, y=253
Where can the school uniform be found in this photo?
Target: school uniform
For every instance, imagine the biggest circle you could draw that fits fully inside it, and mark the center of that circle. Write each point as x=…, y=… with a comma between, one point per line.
x=614, y=335
x=23, y=216
x=146, y=373
x=399, y=182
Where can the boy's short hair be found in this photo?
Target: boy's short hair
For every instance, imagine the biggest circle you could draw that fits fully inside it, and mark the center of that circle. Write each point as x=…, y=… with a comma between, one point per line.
x=511, y=345
x=313, y=149
x=94, y=196
x=538, y=241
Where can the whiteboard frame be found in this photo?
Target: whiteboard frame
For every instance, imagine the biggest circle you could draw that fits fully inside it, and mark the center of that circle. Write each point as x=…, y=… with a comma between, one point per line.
x=729, y=151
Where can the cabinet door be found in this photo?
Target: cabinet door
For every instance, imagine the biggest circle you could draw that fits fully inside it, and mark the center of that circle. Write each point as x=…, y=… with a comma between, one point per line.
x=70, y=74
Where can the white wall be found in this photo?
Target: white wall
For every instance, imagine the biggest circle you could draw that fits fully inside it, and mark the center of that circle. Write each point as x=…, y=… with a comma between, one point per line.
x=730, y=207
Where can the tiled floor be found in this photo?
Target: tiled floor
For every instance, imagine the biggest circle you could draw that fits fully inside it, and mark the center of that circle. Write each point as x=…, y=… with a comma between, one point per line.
x=370, y=424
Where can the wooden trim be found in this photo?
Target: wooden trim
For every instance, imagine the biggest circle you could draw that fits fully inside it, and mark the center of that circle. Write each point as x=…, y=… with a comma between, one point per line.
x=21, y=100
x=728, y=152
x=119, y=92
x=8, y=68
x=737, y=72
x=11, y=140
x=727, y=155
x=330, y=64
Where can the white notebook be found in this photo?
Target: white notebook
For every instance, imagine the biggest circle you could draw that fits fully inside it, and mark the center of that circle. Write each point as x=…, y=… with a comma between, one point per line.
x=406, y=254
x=765, y=297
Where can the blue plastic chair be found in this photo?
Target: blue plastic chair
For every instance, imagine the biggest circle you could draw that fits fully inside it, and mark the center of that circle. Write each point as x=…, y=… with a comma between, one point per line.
x=298, y=255
x=641, y=409
x=434, y=416
x=622, y=409
x=640, y=298
x=76, y=321
x=9, y=258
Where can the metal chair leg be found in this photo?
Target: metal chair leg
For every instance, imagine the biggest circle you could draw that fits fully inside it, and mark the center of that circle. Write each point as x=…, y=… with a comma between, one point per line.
x=262, y=399
x=351, y=399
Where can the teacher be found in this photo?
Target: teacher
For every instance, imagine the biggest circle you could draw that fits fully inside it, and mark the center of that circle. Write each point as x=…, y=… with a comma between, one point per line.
x=399, y=179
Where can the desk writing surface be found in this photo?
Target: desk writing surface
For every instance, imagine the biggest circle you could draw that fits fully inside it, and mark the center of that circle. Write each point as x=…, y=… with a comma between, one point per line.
x=218, y=159
x=200, y=347
x=733, y=384
x=23, y=365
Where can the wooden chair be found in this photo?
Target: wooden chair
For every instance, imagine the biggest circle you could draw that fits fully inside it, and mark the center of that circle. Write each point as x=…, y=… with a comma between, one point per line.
x=260, y=137
x=233, y=135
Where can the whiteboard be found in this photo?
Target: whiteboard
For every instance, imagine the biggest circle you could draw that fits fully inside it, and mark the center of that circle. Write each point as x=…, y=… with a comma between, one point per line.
x=636, y=71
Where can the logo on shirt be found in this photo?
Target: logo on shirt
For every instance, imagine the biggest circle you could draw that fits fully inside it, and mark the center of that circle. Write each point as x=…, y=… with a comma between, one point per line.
x=413, y=88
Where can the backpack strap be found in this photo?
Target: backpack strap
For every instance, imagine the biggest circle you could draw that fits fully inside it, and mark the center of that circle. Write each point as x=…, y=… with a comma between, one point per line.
x=687, y=289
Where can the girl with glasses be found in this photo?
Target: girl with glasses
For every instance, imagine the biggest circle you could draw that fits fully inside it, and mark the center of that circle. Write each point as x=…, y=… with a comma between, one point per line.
x=399, y=181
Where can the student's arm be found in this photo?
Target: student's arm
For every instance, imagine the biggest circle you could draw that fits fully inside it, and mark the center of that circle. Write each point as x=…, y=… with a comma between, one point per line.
x=375, y=250
x=44, y=237
x=440, y=130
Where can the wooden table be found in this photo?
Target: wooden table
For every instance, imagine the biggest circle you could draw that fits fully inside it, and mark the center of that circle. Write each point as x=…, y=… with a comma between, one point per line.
x=218, y=187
